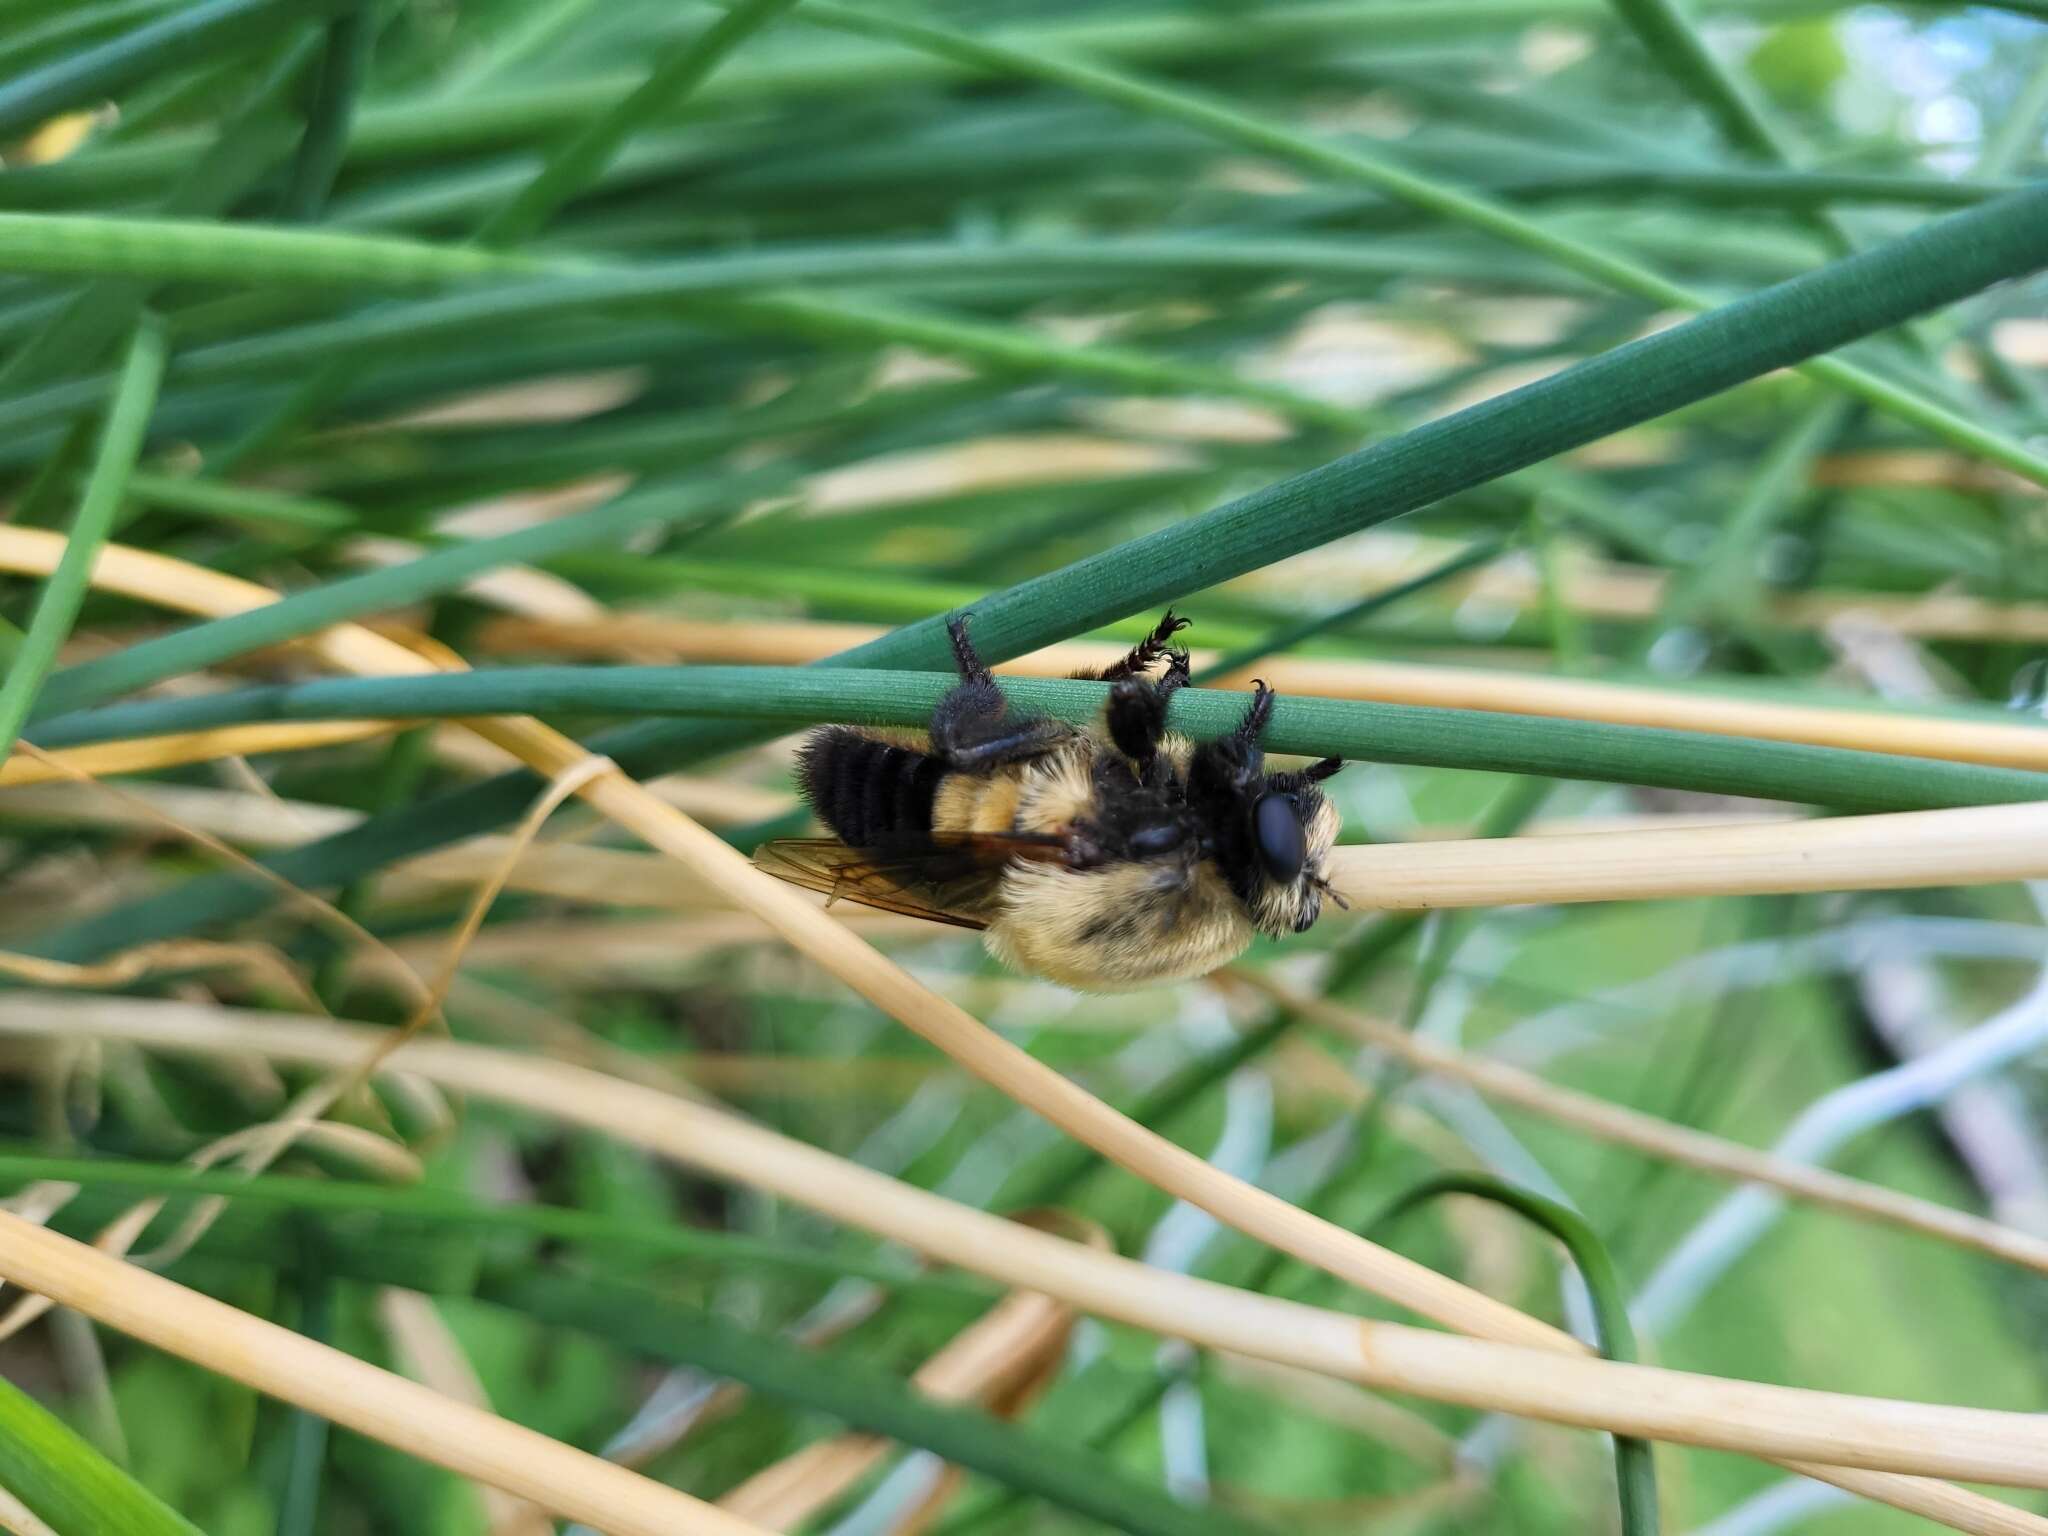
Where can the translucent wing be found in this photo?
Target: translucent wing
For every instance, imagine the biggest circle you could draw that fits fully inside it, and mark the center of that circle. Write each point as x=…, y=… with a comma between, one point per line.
x=945, y=879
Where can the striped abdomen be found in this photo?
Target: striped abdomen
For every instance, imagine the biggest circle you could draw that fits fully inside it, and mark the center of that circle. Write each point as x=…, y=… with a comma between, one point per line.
x=868, y=792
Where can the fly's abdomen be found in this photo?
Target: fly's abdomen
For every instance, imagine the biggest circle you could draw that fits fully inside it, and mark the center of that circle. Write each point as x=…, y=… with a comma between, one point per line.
x=868, y=792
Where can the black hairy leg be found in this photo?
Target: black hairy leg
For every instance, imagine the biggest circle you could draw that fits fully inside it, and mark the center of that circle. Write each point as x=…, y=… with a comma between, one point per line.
x=1136, y=718
x=965, y=657
x=1136, y=715
x=1177, y=674
x=1314, y=773
x=973, y=730
x=1256, y=715
x=1225, y=779
x=1146, y=653
x=1229, y=770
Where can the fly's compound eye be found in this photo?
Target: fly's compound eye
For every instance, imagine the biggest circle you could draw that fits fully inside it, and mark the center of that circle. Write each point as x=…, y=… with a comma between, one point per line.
x=1283, y=845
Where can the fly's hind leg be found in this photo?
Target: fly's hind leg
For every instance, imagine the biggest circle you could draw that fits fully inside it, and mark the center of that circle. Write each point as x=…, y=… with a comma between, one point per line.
x=973, y=730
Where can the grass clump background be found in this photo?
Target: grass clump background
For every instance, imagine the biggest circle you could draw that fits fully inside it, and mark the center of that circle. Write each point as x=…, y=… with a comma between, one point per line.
x=1602, y=419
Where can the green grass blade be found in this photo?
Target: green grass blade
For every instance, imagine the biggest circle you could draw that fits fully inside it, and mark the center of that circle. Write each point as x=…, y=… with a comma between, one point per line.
x=1720, y=585
x=441, y=125
x=1729, y=99
x=789, y=697
x=248, y=143
x=164, y=250
x=34, y=39
x=2009, y=139
x=1634, y=1464
x=71, y=1486
x=64, y=593
x=575, y=162
x=1007, y=348
x=344, y=63
x=578, y=159
x=247, y=503
x=545, y=26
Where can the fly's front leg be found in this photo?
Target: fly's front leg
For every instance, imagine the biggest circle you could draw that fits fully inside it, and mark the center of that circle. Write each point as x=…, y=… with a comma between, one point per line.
x=1148, y=650
x=973, y=730
x=1136, y=715
x=1136, y=718
x=1256, y=716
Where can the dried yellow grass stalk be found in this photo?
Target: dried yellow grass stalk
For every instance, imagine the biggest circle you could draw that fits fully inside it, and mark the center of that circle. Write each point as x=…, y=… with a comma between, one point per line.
x=1568, y=1387
x=1388, y=682
x=153, y=752
x=285, y=1365
x=18, y=1519
x=1660, y=1138
x=426, y=1346
x=256, y=1147
x=1968, y=845
x=610, y=877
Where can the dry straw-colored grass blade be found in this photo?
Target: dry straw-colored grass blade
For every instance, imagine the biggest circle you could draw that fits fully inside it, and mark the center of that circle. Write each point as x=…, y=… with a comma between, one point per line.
x=1968, y=845
x=154, y=752
x=297, y=1370
x=429, y=1352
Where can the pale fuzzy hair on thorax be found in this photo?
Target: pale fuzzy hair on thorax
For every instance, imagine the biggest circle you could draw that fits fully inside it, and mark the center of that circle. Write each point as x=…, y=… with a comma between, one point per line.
x=1057, y=790
x=1113, y=930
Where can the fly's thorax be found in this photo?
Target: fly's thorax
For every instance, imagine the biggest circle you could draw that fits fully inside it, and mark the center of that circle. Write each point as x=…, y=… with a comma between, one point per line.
x=1128, y=924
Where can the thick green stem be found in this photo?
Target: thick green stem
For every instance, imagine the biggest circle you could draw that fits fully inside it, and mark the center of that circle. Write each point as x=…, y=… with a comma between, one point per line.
x=788, y=697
